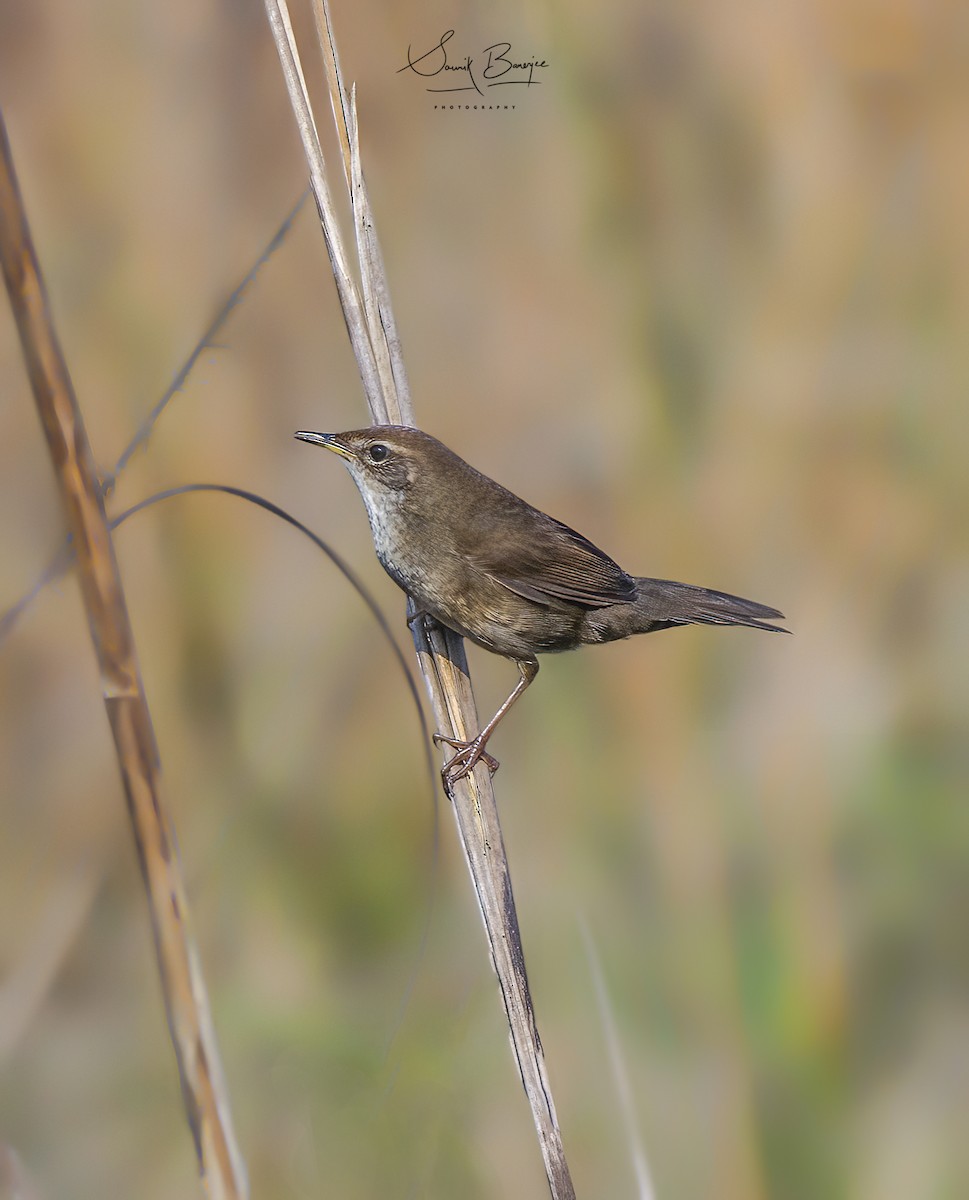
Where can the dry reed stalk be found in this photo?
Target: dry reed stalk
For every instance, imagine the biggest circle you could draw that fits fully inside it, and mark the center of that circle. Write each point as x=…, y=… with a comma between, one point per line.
x=440, y=652
x=617, y=1063
x=27, y=982
x=186, y=1001
x=14, y=1179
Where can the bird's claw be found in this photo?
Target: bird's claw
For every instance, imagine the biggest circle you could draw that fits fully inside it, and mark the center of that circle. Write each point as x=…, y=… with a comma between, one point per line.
x=469, y=754
x=415, y=617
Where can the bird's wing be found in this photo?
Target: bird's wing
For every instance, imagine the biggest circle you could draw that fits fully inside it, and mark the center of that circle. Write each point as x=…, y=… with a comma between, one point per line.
x=557, y=563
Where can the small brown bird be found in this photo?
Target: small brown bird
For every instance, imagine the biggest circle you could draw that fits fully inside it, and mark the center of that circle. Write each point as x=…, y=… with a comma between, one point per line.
x=484, y=563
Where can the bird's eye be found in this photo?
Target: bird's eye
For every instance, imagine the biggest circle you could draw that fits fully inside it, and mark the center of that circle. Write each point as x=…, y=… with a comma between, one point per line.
x=378, y=452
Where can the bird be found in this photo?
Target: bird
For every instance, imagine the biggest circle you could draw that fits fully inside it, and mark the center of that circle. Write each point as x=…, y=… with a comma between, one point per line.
x=490, y=566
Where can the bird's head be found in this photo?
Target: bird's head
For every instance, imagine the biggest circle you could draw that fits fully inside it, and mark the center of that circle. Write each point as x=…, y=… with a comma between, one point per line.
x=380, y=459
x=393, y=464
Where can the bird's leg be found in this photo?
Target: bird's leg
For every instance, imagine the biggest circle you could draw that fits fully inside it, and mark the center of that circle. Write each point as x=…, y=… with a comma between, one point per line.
x=417, y=615
x=473, y=752
x=422, y=615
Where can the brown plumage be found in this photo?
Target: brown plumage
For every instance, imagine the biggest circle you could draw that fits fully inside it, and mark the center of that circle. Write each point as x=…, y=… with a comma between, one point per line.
x=488, y=565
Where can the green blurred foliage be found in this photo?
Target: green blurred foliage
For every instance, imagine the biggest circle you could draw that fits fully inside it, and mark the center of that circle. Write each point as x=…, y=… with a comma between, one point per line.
x=702, y=294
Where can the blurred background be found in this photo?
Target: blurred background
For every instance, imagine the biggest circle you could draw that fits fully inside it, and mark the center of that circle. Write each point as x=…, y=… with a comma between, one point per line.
x=703, y=294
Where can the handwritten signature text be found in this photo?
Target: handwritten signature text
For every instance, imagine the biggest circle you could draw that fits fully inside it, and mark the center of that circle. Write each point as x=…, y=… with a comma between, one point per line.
x=496, y=67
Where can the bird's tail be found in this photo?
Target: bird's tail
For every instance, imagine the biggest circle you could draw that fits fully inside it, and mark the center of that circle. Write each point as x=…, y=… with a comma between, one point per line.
x=667, y=603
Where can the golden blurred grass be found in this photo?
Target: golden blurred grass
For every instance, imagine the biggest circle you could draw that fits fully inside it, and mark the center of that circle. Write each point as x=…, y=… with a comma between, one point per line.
x=709, y=286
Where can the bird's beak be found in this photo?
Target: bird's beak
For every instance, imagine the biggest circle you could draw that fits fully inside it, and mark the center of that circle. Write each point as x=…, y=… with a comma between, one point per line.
x=329, y=440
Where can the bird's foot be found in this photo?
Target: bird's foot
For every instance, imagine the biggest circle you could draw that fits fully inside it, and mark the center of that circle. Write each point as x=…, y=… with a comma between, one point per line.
x=424, y=618
x=417, y=616
x=469, y=754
